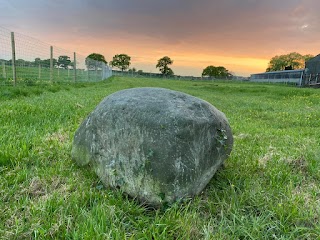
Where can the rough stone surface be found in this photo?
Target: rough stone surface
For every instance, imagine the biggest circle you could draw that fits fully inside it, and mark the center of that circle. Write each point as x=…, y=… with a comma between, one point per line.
x=155, y=144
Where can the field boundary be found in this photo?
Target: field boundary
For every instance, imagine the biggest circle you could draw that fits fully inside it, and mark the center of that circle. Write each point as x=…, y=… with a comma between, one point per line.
x=27, y=61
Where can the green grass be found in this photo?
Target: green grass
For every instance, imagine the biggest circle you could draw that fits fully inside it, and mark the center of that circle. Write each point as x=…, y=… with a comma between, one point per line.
x=269, y=188
x=31, y=76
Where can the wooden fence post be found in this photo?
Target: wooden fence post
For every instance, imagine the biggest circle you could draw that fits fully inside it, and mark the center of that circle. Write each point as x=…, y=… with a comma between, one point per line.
x=96, y=73
x=13, y=47
x=88, y=73
x=39, y=73
x=4, y=74
x=75, y=66
x=51, y=64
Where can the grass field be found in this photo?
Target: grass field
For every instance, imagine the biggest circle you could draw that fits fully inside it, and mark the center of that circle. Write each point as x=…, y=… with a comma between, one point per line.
x=269, y=188
x=34, y=75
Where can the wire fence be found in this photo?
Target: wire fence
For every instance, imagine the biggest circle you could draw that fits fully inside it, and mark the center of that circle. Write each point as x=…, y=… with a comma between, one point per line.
x=28, y=61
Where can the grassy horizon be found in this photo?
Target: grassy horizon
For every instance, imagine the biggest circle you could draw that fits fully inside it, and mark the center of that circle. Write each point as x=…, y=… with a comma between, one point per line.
x=269, y=188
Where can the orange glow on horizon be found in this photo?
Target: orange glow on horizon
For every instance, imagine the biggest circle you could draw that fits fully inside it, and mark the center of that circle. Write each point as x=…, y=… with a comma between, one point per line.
x=186, y=60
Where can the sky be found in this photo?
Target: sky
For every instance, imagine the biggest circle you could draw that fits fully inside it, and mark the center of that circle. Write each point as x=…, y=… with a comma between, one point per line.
x=241, y=35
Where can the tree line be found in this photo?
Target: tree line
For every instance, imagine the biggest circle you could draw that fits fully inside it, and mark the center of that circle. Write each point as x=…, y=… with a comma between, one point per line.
x=123, y=62
x=62, y=62
x=94, y=61
x=289, y=61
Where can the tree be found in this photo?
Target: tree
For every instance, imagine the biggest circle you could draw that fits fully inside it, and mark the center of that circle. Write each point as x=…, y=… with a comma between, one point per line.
x=64, y=61
x=121, y=61
x=169, y=72
x=97, y=57
x=132, y=70
x=37, y=61
x=46, y=62
x=217, y=72
x=163, y=66
x=20, y=62
x=292, y=60
x=95, y=60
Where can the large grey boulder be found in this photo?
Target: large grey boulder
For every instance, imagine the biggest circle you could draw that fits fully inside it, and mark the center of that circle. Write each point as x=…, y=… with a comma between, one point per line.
x=155, y=144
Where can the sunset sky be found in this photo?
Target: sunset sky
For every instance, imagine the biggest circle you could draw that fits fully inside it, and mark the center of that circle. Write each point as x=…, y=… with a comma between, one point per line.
x=241, y=35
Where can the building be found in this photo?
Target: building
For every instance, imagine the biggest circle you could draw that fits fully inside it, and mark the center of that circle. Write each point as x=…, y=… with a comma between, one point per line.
x=312, y=72
x=313, y=65
x=287, y=76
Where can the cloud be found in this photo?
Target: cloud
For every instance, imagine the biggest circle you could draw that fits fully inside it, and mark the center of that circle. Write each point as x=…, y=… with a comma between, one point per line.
x=230, y=28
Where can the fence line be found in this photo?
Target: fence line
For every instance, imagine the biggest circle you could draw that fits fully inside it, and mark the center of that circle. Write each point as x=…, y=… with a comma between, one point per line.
x=28, y=61
x=312, y=80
